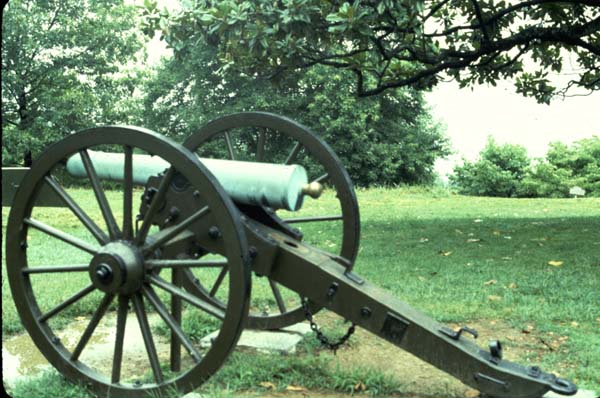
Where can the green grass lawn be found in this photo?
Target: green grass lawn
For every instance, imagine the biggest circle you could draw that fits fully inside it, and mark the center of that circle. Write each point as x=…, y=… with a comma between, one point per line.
x=530, y=263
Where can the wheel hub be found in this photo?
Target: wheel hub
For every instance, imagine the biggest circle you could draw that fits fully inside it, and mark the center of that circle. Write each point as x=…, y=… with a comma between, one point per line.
x=117, y=268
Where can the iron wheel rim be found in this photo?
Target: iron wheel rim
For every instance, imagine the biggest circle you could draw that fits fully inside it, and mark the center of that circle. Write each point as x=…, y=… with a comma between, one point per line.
x=23, y=293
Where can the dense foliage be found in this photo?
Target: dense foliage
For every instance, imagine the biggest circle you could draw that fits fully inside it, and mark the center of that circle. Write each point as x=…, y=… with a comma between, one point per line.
x=498, y=171
x=65, y=66
x=390, y=43
x=506, y=170
x=385, y=140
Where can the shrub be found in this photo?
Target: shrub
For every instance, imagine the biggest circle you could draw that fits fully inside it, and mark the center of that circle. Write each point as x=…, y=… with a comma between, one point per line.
x=582, y=160
x=498, y=171
x=546, y=180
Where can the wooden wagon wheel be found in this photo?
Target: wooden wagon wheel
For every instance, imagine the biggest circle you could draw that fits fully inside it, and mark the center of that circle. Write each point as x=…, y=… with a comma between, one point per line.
x=265, y=137
x=122, y=267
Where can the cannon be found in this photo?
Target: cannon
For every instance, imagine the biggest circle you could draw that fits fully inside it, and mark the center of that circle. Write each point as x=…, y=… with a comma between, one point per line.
x=201, y=239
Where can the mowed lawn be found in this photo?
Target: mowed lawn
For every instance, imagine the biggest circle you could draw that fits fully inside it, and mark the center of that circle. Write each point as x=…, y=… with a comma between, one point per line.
x=532, y=264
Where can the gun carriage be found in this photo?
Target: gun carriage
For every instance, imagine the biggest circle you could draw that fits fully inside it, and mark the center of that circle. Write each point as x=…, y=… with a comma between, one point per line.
x=229, y=216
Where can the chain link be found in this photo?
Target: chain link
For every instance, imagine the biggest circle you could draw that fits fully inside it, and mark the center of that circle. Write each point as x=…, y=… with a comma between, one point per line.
x=332, y=345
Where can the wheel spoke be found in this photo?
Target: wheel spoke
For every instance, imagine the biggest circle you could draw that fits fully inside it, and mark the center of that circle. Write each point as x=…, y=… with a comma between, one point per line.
x=229, y=146
x=173, y=323
x=169, y=233
x=186, y=263
x=89, y=330
x=176, y=308
x=313, y=219
x=260, y=145
x=65, y=237
x=78, y=211
x=277, y=295
x=294, y=153
x=119, y=338
x=127, y=193
x=140, y=312
x=218, y=282
x=154, y=206
x=56, y=269
x=77, y=296
x=111, y=224
x=322, y=178
x=196, y=302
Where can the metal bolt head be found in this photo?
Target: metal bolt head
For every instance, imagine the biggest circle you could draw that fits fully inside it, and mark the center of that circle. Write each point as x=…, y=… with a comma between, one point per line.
x=365, y=312
x=196, y=194
x=104, y=274
x=253, y=252
x=214, y=232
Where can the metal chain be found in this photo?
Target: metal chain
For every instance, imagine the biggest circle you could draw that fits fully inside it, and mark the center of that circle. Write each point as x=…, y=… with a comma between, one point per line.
x=333, y=346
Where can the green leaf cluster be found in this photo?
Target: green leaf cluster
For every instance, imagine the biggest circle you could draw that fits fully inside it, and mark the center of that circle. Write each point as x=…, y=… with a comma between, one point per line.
x=389, y=44
x=66, y=65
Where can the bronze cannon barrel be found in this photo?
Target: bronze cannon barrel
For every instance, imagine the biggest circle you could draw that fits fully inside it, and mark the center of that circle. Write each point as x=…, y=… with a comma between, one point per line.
x=274, y=185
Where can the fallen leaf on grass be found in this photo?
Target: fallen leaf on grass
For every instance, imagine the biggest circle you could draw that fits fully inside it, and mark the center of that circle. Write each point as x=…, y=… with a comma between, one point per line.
x=478, y=220
x=423, y=240
x=445, y=254
x=490, y=282
x=494, y=298
x=471, y=393
x=574, y=324
x=551, y=345
x=527, y=329
x=360, y=386
x=80, y=318
x=295, y=388
x=496, y=233
x=267, y=384
x=555, y=263
x=473, y=240
x=512, y=285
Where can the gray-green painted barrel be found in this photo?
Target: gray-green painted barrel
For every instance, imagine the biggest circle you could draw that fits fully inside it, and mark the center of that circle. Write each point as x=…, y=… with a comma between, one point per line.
x=274, y=185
